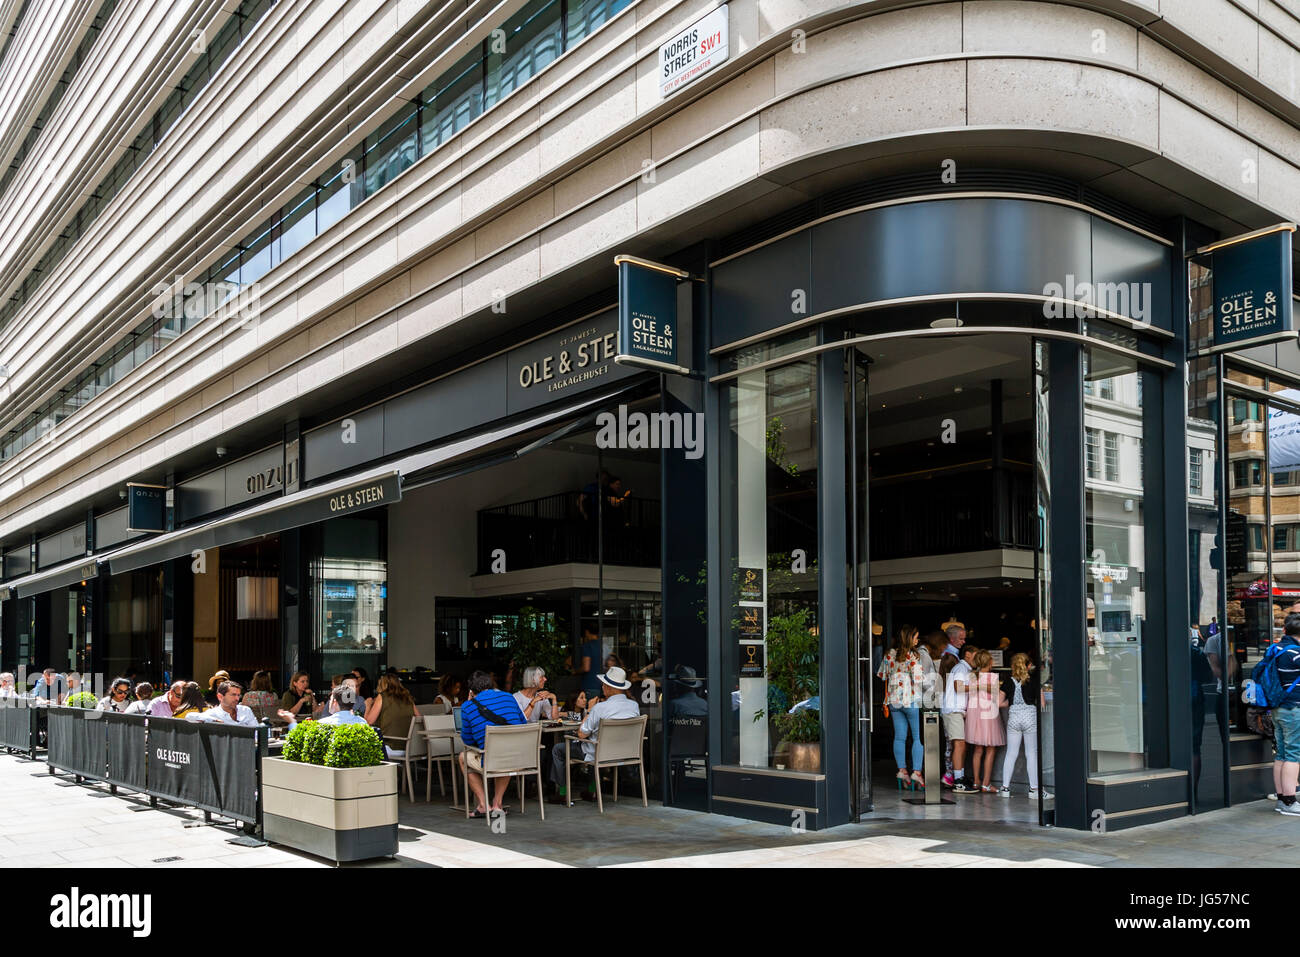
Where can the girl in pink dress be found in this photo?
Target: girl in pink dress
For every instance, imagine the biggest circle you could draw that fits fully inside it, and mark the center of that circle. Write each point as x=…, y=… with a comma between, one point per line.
x=984, y=731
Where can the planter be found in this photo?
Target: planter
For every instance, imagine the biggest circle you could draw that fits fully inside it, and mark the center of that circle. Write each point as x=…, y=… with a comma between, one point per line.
x=343, y=814
x=805, y=756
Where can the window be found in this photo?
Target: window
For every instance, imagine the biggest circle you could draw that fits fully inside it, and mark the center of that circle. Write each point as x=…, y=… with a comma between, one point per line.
x=1106, y=389
x=1091, y=455
x=1194, y=471
x=771, y=509
x=1246, y=472
x=532, y=41
x=1282, y=535
x=1121, y=536
x=1112, y=456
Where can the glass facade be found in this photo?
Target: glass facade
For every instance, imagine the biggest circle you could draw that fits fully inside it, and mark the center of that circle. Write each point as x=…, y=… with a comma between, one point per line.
x=774, y=652
x=348, y=582
x=1115, y=568
x=505, y=60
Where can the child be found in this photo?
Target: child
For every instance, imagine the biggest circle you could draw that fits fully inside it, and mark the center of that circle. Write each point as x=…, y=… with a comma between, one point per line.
x=984, y=730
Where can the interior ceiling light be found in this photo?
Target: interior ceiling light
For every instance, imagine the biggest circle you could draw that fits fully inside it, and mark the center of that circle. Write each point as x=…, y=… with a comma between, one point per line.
x=946, y=322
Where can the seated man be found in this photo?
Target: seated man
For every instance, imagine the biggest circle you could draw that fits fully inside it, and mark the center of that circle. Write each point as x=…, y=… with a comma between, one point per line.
x=228, y=709
x=51, y=688
x=7, y=689
x=166, y=705
x=615, y=704
x=486, y=705
x=339, y=708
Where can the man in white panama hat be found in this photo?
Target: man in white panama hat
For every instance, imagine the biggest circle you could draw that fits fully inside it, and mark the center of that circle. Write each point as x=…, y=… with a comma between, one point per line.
x=615, y=704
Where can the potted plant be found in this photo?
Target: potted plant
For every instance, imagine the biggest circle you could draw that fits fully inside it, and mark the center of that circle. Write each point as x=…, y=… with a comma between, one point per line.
x=793, y=653
x=331, y=793
x=81, y=699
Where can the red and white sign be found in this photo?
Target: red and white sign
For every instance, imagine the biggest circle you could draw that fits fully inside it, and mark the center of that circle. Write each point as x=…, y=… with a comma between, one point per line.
x=693, y=52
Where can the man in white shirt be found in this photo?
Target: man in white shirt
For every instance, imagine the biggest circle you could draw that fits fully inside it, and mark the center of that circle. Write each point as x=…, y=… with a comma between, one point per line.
x=228, y=709
x=615, y=704
x=7, y=685
x=953, y=711
x=342, y=699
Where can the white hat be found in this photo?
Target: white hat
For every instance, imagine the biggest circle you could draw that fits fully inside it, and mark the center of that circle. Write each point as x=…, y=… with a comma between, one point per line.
x=615, y=678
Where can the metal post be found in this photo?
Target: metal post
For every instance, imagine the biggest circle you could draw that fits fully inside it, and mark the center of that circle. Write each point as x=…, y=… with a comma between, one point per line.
x=933, y=756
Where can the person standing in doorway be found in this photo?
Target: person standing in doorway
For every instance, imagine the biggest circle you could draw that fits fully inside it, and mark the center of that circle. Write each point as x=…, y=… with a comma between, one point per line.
x=904, y=680
x=953, y=715
x=587, y=666
x=1020, y=691
x=984, y=729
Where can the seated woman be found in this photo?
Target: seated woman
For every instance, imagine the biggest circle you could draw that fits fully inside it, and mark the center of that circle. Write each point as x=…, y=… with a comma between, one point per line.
x=259, y=695
x=536, y=703
x=576, y=703
x=449, y=690
x=298, y=699
x=391, y=711
x=191, y=701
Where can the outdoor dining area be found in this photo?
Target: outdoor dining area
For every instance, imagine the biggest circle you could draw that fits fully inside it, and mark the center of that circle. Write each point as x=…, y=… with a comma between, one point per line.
x=522, y=750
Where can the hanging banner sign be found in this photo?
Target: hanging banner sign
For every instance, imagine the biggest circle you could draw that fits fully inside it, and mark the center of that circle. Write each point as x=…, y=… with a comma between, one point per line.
x=1252, y=288
x=1284, y=435
x=146, y=507
x=694, y=52
x=647, y=314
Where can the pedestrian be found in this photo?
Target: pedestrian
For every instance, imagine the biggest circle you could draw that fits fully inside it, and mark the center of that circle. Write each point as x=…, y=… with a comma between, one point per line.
x=1284, y=683
x=984, y=729
x=953, y=714
x=904, y=681
x=1020, y=691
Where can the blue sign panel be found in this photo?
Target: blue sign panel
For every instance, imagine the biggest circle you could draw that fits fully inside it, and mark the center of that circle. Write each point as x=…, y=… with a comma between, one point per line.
x=146, y=508
x=647, y=315
x=1252, y=291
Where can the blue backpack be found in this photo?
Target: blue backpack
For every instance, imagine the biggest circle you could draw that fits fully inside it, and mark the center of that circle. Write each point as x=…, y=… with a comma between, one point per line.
x=1265, y=690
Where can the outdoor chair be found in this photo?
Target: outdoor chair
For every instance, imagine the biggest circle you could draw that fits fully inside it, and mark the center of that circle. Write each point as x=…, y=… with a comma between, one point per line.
x=440, y=750
x=415, y=746
x=618, y=744
x=509, y=750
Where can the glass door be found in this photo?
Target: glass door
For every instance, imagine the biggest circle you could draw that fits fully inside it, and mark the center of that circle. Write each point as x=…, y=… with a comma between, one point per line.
x=859, y=586
x=1042, y=561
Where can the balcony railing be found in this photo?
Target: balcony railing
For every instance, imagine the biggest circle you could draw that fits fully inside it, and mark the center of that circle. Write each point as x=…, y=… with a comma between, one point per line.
x=967, y=512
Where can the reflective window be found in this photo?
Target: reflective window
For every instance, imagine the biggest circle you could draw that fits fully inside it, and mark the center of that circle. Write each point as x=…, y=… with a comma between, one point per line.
x=532, y=40
x=773, y=664
x=1114, y=573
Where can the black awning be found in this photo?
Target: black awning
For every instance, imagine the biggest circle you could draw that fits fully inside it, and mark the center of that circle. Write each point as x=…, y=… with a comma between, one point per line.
x=60, y=576
x=342, y=497
x=379, y=486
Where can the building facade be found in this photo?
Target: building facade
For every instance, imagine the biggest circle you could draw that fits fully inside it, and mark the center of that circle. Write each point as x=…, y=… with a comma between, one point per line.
x=309, y=319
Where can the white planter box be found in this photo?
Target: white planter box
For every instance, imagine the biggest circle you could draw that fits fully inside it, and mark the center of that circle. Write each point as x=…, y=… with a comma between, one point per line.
x=344, y=814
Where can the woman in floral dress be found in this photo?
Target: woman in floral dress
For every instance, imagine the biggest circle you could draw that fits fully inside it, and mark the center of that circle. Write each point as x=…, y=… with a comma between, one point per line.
x=901, y=671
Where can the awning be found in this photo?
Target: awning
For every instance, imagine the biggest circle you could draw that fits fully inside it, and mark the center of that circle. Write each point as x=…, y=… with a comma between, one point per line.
x=382, y=485
x=60, y=576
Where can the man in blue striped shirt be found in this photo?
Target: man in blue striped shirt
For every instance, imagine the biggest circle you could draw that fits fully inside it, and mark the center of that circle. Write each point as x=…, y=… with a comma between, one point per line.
x=486, y=705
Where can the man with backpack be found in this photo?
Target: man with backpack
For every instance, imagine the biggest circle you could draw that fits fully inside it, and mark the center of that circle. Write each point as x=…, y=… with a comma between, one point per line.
x=487, y=705
x=1278, y=679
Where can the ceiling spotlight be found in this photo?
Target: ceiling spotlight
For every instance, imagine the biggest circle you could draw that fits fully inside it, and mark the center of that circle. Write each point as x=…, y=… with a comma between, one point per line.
x=957, y=389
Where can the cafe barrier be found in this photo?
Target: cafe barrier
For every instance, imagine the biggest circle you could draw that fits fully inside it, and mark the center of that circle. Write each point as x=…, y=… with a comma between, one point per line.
x=216, y=768
x=19, y=726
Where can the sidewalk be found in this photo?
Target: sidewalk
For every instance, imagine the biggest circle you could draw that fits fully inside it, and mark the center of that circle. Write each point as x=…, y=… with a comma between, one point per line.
x=49, y=821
